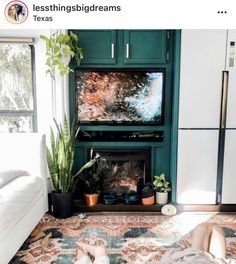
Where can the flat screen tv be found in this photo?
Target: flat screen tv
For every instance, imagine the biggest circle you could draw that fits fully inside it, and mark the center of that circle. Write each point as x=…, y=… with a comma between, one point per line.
x=131, y=97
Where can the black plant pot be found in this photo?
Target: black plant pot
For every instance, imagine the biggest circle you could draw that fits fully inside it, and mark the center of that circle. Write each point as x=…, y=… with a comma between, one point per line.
x=62, y=204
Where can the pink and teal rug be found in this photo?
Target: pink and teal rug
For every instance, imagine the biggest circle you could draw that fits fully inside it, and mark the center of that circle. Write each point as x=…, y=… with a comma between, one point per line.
x=130, y=238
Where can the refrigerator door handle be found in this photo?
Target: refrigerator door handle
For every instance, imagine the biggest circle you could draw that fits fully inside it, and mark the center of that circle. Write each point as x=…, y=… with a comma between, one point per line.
x=225, y=80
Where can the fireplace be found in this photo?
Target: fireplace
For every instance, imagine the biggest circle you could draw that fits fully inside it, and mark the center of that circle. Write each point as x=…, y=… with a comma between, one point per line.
x=123, y=169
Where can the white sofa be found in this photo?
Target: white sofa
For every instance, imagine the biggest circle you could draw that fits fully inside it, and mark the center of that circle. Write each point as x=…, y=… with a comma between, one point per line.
x=23, y=189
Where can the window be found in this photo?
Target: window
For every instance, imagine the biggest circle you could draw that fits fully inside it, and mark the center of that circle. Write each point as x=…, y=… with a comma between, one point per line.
x=17, y=89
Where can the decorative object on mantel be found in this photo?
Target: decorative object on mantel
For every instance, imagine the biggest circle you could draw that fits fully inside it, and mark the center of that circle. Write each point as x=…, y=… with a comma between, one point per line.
x=60, y=49
x=148, y=197
x=169, y=210
x=130, y=197
x=60, y=157
x=162, y=187
x=91, y=198
x=109, y=198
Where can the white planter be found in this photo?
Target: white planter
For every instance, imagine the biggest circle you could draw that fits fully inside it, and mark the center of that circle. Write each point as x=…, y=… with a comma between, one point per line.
x=161, y=197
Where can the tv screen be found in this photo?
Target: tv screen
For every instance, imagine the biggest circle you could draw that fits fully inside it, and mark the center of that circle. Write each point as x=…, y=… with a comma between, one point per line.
x=122, y=97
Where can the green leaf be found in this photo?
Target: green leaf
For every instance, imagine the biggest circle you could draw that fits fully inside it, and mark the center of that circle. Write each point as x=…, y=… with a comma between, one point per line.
x=74, y=36
x=55, y=51
x=43, y=37
x=161, y=184
x=55, y=62
x=60, y=157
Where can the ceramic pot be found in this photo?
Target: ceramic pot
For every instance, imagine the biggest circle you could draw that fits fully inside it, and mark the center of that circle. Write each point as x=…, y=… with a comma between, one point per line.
x=91, y=199
x=161, y=197
x=148, y=194
x=148, y=200
x=109, y=199
x=130, y=197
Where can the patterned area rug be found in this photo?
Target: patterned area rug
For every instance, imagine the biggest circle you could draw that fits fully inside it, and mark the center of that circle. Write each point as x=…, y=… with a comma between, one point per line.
x=130, y=238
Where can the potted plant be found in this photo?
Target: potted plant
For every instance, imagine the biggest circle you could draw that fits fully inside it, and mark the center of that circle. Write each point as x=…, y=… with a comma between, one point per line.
x=162, y=187
x=60, y=157
x=60, y=49
x=91, y=182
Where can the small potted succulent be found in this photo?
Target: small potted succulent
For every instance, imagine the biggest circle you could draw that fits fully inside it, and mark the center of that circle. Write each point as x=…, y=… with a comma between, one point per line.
x=162, y=187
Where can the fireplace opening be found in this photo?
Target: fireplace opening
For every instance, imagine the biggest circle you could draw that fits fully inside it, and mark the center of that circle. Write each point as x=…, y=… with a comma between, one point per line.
x=123, y=169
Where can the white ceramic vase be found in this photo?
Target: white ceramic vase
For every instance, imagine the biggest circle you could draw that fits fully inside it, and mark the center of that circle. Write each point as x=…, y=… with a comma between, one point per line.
x=161, y=197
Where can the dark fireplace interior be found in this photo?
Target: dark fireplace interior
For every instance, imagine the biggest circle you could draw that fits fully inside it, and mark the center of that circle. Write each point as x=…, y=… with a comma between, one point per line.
x=123, y=169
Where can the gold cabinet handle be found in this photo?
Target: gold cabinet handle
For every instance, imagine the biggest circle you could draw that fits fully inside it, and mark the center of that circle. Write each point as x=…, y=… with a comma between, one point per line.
x=225, y=80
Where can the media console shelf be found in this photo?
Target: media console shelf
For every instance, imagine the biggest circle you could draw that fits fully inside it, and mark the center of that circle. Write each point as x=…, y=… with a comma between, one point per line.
x=130, y=136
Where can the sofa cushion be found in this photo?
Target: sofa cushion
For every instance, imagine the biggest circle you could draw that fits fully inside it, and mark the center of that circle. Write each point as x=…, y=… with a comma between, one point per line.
x=17, y=197
x=8, y=175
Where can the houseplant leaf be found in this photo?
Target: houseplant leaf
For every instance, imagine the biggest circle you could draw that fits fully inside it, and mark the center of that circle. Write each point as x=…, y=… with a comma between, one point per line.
x=60, y=157
x=60, y=49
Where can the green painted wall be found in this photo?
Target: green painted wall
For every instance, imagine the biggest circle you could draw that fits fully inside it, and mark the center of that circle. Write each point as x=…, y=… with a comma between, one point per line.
x=175, y=113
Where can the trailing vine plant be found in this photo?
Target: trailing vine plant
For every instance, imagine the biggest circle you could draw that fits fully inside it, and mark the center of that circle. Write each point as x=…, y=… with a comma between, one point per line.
x=60, y=49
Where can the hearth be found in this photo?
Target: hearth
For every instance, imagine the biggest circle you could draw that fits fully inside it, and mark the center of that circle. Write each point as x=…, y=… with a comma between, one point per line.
x=123, y=169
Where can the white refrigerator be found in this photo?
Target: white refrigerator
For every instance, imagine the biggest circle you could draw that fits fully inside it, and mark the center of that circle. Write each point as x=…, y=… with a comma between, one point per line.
x=207, y=127
x=229, y=165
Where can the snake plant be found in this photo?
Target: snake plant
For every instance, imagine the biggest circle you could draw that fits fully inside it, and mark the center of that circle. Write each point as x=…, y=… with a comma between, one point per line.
x=60, y=157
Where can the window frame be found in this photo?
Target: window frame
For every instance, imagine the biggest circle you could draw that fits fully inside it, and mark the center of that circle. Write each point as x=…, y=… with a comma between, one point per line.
x=27, y=113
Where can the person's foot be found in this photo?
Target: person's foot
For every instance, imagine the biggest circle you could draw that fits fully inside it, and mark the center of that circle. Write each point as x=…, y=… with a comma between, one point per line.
x=86, y=247
x=94, y=251
x=80, y=253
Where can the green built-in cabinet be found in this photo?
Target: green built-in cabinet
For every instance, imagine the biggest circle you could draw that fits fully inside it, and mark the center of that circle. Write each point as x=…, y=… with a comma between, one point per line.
x=130, y=49
x=99, y=46
x=145, y=46
x=124, y=48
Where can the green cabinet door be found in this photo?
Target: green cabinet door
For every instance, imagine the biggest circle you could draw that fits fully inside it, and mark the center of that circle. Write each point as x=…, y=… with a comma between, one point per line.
x=99, y=46
x=145, y=46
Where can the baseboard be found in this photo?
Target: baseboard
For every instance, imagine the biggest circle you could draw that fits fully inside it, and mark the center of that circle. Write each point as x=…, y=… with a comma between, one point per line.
x=206, y=207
